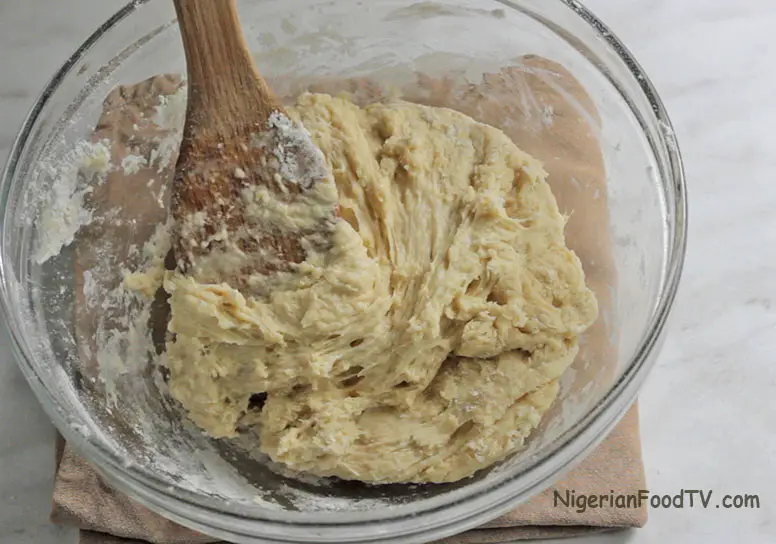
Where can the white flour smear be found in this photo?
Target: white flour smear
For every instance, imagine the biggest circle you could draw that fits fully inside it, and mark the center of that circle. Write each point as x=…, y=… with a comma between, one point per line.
x=74, y=177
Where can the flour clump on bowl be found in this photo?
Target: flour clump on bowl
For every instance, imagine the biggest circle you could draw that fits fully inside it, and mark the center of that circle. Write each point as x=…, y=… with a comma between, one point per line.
x=427, y=342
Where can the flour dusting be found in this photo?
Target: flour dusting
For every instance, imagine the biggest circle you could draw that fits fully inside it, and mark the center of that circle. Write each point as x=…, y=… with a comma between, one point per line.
x=132, y=164
x=74, y=176
x=297, y=160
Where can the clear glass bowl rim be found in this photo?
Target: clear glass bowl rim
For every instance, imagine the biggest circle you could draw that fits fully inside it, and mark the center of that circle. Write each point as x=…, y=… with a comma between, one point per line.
x=461, y=509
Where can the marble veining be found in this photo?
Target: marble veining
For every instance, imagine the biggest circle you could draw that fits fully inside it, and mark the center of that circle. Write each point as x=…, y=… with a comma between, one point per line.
x=707, y=422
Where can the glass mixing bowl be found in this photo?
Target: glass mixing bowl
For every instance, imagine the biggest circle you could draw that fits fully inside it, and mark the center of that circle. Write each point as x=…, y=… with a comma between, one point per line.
x=145, y=448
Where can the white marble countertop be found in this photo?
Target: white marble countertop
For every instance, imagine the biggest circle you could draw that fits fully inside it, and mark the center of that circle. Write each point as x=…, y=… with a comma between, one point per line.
x=706, y=418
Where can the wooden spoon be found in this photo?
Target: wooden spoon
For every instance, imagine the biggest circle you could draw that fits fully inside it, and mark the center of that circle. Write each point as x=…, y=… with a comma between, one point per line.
x=237, y=142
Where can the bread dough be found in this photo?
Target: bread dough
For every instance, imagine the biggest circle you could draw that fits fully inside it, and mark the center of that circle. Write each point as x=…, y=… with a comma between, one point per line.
x=428, y=341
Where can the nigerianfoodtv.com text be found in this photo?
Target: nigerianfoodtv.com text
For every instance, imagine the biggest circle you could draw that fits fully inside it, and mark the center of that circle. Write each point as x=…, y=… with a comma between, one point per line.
x=685, y=498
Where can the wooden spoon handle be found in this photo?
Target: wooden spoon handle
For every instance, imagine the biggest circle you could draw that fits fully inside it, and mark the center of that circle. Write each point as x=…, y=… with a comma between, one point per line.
x=221, y=73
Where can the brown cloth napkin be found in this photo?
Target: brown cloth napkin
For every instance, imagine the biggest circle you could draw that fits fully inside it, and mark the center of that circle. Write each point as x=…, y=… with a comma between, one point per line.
x=547, y=112
x=83, y=500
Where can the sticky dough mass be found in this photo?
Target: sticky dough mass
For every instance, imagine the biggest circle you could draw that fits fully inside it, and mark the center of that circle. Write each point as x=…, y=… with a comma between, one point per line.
x=428, y=342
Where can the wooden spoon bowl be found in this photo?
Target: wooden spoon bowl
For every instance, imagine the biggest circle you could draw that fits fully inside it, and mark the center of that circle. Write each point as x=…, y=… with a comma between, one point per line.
x=237, y=139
